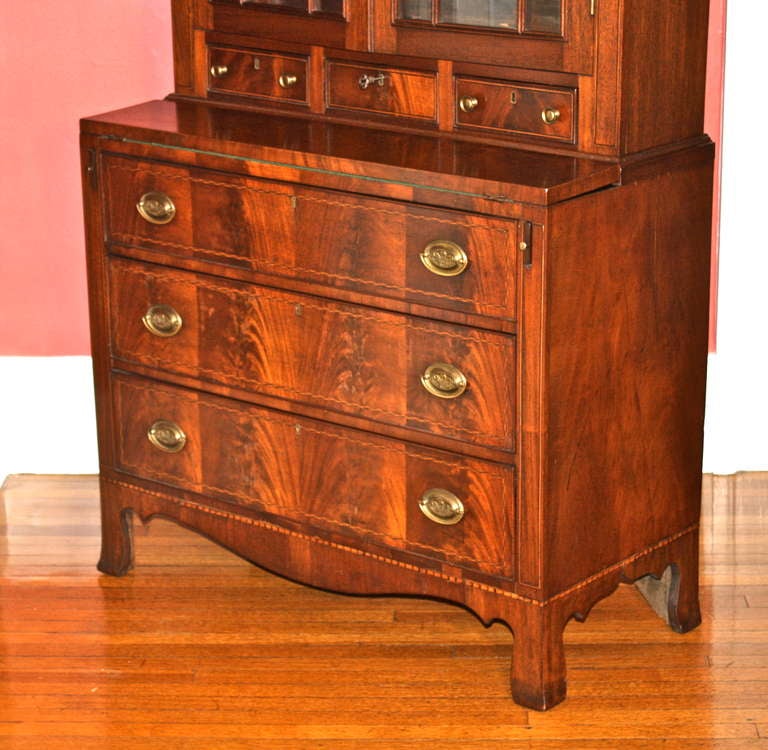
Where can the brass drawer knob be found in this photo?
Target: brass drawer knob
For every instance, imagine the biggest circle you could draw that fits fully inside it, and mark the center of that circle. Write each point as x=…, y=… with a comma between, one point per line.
x=286, y=81
x=444, y=380
x=444, y=258
x=218, y=70
x=167, y=436
x=162, y=320
x=441, y=506
x=156, y=208
x=550, y=115
x=468, y=103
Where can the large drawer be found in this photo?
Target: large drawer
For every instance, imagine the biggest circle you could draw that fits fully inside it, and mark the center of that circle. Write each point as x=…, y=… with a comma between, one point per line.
x=368, y=363
x=440, y=258
x=359, y=487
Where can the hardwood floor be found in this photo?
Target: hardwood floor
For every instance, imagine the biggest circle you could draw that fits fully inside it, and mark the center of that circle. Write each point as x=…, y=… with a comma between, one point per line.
x=199, y=650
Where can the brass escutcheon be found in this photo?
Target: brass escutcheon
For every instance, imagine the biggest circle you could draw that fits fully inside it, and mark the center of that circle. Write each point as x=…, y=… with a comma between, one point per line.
x=286, y=80
x=444, y=380
x=441, y=506
x=162, y=320
x=550, y=115
x=468, y=103
x=444, y=258
x=167, y=436
x=217, y=71
x=156, y=208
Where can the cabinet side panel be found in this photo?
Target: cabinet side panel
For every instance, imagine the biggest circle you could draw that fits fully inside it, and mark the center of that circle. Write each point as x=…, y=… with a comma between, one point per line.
x=664, y=72
x=628, y=281
x=98, y=303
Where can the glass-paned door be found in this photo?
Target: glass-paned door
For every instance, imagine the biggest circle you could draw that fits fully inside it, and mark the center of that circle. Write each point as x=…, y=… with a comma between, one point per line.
x=520, y=16
x=305, y=7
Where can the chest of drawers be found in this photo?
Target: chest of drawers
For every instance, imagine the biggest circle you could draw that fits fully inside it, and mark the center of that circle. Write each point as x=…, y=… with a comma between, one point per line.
x=382, y=359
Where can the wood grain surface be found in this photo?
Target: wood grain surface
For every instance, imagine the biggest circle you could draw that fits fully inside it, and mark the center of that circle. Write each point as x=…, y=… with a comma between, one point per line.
x=341, y=241
x=357, y=486
x=342, y=358
x=198, y=649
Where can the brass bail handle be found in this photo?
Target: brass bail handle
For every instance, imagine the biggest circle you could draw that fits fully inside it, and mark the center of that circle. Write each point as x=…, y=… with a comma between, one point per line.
x=444, y=380
x=156, y=207
x=166, y=436
x=441, y=506
x=444, y=258
x=162, y=321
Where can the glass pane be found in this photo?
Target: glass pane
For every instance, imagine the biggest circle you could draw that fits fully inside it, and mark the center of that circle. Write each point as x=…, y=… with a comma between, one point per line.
x=543, y=15
x=415, y=10
x=334, y=7
x=296, y=4
x=496, y=13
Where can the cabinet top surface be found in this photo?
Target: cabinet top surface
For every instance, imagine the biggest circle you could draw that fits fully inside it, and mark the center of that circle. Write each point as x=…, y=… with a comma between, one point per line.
x=402, y=158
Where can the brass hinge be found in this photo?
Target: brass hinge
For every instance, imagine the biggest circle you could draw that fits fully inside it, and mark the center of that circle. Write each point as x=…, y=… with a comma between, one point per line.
x=92, y=168
x=592, y=7
x=526, y=244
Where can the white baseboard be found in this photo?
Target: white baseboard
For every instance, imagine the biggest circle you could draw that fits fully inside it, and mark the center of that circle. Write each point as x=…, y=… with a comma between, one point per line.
x=47, y=416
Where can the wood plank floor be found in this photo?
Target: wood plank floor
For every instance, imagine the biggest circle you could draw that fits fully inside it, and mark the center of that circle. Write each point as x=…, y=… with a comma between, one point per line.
x=199, y=650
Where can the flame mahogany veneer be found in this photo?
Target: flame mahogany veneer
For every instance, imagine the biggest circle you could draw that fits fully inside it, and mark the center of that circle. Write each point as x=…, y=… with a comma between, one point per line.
x=292, y=263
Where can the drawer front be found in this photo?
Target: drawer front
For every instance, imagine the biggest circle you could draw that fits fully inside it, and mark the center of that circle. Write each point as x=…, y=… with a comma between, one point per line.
x=260, y=74
x=392, y=91
x=344, y=358
x=386, y=248
x=542, y=111
x=356, y=486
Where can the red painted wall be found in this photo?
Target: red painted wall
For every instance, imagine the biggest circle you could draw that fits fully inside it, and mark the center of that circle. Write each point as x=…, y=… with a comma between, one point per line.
x=61, y=61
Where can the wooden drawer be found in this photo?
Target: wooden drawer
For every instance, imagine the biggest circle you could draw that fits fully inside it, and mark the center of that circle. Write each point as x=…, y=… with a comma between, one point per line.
x=259, y=74
x=359, y=487
x=344, y=358
x=542, y=111
x=391, y=91
x=337, y=240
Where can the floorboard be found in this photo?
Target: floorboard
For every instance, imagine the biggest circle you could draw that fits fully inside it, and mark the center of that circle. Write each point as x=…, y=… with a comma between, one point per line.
x=197, y=649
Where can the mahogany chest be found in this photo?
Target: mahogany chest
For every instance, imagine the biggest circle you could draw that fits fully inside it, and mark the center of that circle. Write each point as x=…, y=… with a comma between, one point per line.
x=410, y=297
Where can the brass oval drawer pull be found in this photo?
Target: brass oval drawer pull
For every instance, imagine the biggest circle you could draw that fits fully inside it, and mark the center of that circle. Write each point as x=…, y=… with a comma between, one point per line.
x=167, y=436
x=365, y=80
x=441, y=506
x=217, y=71
x=444, y=380
x=444, y=258
x=550, y=115
x=156, y=208
x=468, y=103
x=286, y=80
x=162, y=320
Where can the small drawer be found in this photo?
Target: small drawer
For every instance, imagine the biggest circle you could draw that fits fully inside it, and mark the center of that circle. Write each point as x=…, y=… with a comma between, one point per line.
x=425, y=376
x=542, y=111
x=258, y=74
x=361, y=489
x=391, y=91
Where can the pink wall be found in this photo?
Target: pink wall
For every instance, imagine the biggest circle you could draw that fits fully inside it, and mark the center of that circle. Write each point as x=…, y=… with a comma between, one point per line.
x=61, y=61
